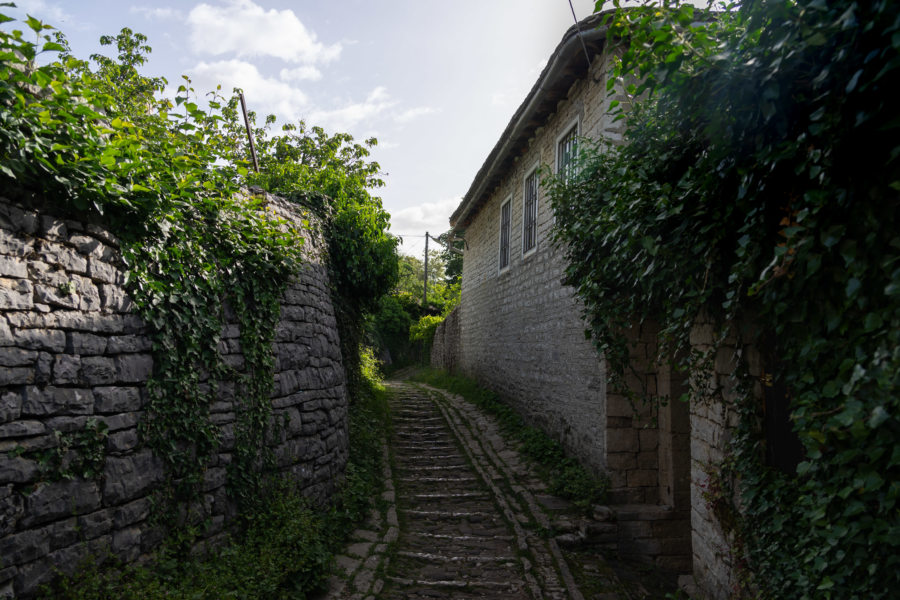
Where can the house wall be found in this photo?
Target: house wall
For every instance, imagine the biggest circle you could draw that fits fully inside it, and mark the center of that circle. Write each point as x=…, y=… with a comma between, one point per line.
x=67, y=358
x=520, y=330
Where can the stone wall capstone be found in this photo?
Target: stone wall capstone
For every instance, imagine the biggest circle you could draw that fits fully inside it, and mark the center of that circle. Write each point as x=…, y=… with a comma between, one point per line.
x=74, y=355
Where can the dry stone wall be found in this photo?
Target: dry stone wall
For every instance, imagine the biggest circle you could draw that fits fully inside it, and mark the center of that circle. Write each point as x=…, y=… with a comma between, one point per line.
x=445, y=347
x=74, y=359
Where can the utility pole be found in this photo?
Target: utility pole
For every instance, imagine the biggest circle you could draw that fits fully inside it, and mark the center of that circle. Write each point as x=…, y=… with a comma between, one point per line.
x=425, y=290
x=249, y=133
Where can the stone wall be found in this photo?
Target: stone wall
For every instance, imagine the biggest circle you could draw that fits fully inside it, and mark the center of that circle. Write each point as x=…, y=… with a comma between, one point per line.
x=711, y=425
x=73, y=355
x=520, y=330
x=445, y=347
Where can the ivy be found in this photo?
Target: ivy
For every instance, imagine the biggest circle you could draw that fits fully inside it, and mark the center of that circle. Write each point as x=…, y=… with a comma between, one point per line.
x=758, y=187
x=162, y=172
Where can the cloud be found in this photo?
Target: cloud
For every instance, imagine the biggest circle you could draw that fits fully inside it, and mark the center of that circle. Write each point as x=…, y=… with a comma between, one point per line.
x=264, y=95
x=304, y=73
x=49, y=12
x=347, y=117
x=157, y=13
x=433, y=217
x=245, y=29
x=414, y=113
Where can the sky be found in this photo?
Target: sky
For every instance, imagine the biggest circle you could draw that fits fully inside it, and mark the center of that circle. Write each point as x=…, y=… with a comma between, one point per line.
x=435, y=82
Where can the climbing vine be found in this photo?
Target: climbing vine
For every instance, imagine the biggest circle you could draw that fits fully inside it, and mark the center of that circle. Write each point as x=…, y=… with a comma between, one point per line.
x=160, y=171
x=758, y=187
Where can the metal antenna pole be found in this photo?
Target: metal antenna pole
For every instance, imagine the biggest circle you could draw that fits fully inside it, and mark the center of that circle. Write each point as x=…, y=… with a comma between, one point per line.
x=249, y=134
x=425, y=290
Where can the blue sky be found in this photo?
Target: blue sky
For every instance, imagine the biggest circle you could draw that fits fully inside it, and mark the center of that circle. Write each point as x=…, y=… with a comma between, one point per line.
x=435, y=82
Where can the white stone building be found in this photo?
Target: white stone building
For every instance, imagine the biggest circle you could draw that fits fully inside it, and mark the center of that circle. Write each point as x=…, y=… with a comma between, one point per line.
x=518, y=330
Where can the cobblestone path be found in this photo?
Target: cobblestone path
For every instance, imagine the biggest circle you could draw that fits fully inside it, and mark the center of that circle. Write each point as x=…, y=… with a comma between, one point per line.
x=462, y=517
x=462, y=530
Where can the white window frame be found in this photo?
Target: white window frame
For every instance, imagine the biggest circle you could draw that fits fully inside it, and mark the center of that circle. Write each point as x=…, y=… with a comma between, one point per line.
x=573, y=125
x=537, y=186
x=503, y=268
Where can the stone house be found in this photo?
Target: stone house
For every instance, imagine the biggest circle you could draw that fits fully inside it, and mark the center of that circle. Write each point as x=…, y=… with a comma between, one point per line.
x=518, y=330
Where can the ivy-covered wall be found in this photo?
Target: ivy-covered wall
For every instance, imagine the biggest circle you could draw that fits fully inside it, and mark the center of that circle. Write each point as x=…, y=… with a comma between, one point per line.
x=75, y=475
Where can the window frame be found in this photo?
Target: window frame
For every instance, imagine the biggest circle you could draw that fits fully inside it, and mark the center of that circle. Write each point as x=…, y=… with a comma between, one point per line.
x=532, y=173
x=505, y=267
x=573, y=128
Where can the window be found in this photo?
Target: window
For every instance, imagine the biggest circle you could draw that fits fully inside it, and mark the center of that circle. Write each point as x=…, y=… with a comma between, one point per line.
x=529, y=212
x=504, y=233
x=567, y=152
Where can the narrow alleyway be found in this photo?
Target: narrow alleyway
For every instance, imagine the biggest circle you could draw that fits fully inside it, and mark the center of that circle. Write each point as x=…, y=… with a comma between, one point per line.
x=462, y=517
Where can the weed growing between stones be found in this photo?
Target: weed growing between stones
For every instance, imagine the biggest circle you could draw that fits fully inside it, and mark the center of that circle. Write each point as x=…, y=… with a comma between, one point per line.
x=564, y=475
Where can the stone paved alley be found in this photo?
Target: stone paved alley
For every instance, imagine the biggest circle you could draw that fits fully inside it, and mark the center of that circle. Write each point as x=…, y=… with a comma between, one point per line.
x=463, y=516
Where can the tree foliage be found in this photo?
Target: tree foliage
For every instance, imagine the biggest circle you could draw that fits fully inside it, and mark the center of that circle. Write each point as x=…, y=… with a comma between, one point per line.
x=758, y=184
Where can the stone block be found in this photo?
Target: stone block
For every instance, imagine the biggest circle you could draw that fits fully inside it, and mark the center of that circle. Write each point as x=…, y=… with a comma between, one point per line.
x=132, y=512
x=13, y=245
x=6, y=336
x=52, y=340
x=128, y=344
x=15, y=357
x=85, y=343
x=116, y=399
x=103, y=272
x=649, y=439
x=23, y=428
x=642, y=478
x=133, y=368
x=53, y=500
x=126, y=543
x=66, y=369
x=113, y=297
x=130, y=477
x=10, y=406
x=52, y=400
x=17, y=375
x=63, y=257
x=98, y=370
x=622, y=440
x=13, y=267
x=85, y=244
x=19, y=219
x=16, y=294
x=23, y=547
x=57, y=295
x=17, y=469
x=53, y=228
x=121, y=421
x=123, y=441
x=93, y=525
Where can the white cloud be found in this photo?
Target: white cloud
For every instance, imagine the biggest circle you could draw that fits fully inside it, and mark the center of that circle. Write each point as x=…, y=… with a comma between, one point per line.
x=49, y=12
x=157, y=13
x=264, y=95
x=245, y=29
x=414, y=113
x=433, y=217
x=303, y=73
x=351, y=115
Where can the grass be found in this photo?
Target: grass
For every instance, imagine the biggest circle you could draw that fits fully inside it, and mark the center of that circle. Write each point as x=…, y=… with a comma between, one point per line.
x=565, y=477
